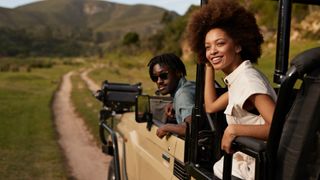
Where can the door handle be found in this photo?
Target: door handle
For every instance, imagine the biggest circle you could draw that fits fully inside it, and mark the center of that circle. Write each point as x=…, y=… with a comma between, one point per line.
x=166, y=156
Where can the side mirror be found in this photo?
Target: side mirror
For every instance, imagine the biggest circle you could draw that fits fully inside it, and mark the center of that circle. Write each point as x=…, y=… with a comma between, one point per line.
x=142, y=108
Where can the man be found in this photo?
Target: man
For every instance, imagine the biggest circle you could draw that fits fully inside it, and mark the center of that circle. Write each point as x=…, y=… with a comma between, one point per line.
x=168, y=72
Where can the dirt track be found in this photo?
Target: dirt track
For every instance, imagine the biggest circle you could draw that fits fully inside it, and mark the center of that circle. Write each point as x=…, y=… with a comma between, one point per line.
x=85, y=160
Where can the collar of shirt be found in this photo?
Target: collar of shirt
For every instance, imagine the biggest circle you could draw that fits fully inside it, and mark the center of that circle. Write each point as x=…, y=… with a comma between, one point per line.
x=232, y=76
x=182, y=81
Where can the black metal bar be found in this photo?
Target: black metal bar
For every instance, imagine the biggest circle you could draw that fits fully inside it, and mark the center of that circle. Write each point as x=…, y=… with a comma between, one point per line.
x=198, y=109
x=115, y=149
x=198, y=173
x=227, y=166
x=104, y=115
x=186, y=144
x=283, y=40
x=260, y=167
x=203, y=2
x=196, y=114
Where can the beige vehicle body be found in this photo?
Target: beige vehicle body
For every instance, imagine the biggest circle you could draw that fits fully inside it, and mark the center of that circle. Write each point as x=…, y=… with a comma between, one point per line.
x=138, y=153
x=144, y=156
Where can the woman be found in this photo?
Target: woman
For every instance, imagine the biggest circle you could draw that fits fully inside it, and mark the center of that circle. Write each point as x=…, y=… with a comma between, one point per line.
x=226, y=37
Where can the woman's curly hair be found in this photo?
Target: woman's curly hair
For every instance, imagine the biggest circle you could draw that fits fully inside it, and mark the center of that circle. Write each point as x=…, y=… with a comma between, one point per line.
x=234, y=19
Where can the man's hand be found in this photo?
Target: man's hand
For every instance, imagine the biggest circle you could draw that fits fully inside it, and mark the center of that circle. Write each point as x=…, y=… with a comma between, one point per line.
x=168, y=129
x=169, y=111
x=162, y=131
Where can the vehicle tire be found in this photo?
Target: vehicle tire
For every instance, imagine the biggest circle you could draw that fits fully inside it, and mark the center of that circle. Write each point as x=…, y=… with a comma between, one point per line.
x=111, y=174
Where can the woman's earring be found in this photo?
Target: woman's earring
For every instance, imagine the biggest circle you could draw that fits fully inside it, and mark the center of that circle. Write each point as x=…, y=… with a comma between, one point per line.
x=238, y=49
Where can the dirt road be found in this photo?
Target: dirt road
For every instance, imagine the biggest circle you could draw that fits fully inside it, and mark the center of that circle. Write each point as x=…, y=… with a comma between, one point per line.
x=85, y=160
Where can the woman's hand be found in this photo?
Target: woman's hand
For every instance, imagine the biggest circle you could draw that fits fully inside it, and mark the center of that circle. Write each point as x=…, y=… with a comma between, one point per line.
x=209, y=66
x=228, y=137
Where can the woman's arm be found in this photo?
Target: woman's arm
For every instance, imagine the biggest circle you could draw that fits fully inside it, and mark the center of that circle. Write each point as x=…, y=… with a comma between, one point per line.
x=265, y=106
x=212, y=102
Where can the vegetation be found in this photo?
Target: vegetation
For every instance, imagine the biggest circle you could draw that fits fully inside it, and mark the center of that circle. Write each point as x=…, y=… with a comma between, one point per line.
x=127, y=69
x=45, y=43
x=86, y=104
x=170, y=38
x=131, y=38
x=28, y=140
x=11, y=64
x=90, y=28
x=63, y=28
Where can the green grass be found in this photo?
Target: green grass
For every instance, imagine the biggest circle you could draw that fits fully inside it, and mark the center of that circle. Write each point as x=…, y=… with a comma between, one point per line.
x=86, y=105
x=28, y=140
x=126, y=69
x=267, y=61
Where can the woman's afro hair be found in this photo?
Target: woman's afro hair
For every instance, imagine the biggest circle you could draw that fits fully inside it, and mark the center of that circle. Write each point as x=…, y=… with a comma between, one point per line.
x=234, y=19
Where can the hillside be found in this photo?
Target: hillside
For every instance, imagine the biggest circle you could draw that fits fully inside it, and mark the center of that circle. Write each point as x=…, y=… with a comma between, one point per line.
x=111, y=19
x=76, y=27
x=93, y=27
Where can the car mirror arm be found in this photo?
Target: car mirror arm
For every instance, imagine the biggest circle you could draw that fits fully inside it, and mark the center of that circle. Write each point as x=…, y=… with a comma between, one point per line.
x=148, y=117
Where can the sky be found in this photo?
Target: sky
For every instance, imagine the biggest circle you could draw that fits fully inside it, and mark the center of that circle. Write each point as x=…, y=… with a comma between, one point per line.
x=179, y=6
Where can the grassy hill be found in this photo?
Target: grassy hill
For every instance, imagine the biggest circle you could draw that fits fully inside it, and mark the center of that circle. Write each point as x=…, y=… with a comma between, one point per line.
x=93, y=27
x=111, y=19
x=75, y=27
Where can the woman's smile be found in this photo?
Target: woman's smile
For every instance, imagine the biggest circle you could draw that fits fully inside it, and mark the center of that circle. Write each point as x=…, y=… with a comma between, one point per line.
x=216, y=60
x=221, y=51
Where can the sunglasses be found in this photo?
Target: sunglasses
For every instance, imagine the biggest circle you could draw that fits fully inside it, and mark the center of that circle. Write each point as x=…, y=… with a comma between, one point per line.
x=163, y=76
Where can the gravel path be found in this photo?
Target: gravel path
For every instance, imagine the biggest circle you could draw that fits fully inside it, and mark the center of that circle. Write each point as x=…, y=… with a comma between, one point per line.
x=92, y=86
x=85, y=159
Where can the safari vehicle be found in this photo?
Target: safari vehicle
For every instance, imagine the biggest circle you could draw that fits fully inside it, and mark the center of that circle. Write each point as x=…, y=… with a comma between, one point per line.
x=291, y=151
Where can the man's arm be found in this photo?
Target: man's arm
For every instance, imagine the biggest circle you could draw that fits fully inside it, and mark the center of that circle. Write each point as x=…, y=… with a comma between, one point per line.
x=179, y=129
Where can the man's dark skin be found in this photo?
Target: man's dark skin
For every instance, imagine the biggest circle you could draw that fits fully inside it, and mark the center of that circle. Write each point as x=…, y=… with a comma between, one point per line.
x=169, y=86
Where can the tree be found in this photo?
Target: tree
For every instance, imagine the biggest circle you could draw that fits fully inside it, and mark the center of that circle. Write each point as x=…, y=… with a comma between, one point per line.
x=131, y=38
